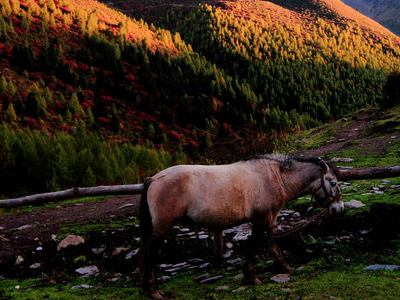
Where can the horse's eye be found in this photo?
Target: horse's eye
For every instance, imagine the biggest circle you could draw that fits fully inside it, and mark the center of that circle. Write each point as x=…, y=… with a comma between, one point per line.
x=333, y=183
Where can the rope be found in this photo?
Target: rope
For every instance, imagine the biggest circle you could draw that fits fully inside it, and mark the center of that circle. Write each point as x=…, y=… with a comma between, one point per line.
x=299, y=226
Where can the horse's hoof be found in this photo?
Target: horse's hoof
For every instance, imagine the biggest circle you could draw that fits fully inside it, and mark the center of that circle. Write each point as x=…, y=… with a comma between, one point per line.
x=157, y=294
x=284, y=268
x=253, y=281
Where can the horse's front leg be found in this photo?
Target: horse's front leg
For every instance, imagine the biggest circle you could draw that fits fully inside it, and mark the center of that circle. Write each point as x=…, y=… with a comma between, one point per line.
x=218, y=247
x=279, y=262
x=254, y=244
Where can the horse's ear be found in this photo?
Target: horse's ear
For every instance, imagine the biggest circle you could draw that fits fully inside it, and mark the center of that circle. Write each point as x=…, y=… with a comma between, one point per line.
x=323, y=165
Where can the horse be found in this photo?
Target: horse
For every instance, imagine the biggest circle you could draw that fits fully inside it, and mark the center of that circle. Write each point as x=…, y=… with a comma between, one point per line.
x=218, y=197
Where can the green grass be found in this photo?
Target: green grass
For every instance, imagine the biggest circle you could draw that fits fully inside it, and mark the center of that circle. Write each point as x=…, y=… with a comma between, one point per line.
x=320, y=279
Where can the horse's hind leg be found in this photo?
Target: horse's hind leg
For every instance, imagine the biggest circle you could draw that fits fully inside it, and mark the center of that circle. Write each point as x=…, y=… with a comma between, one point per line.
x=254, y=244
x=218, y=247
x=149, y=252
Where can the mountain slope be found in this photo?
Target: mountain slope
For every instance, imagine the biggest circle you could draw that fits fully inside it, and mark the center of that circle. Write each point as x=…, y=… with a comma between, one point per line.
x=386, y=12
x=90, y=95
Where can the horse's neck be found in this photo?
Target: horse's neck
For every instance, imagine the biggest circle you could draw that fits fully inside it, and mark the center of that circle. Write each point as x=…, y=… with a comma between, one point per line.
x=298, y=182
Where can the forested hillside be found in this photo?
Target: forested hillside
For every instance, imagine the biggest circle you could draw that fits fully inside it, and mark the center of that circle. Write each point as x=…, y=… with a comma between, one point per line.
x=91, y=96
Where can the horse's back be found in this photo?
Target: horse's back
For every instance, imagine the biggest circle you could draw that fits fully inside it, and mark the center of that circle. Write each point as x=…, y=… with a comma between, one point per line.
x=212, y=196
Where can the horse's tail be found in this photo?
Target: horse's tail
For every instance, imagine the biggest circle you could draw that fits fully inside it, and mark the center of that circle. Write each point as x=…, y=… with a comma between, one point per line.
x=146, y=229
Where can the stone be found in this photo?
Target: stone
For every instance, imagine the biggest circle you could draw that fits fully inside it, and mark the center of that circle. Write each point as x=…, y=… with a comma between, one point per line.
x=203, y=266
x=229, y=245
x=131, y=254
x=118, y=251
x=241, y=288
x=25, y=227
x=35, y=266
x=381, y=267
x=341, y=159
x=221, y=288
x=19, y=260
x=353, y=204
x=211, y=279
x=98, y=250
x=228, y=254
x=296, y=215
x=82, y=286
x=234, y=261
x=203, y=237
x=180, y=265
x=114, y=279
x=286, y=290
x=71, y=240
x=88, y=271
x=163, y=278
x=238, y=276
x=126, y=206
x=241, y=236
x=202, y=277
x=280, y=278
x=195, y=260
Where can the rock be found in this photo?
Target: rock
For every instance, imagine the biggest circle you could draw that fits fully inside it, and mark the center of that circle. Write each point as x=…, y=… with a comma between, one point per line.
x=180, y=265
x=286, y=290
x=241, y=288
x=202, y=277
x=211, y=279
x=381, y=267
x=241, y=236
x=228, y=254
x=299, y=269
x=98, y=250
x=71, y=240
x=88, y=271
x=229, y=245
x=131, y=254
x=39, y=248
x=352, y=204
x=35, y=266
x=118, y=251
x=126, y=206
x=114, y=279
x=238, y=276
x=296, y=215
x=19, y=260
x=25, y=227
x=341, y=159
x=234, y=261
x=82, y=286
x=280, y=278
x=195, y=260
x=203, y=237
x=164, y=278
x=221, y=288
x=203, y=266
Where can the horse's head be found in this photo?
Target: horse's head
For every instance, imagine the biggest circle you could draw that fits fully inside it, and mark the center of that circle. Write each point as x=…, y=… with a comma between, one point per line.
x=326, y=189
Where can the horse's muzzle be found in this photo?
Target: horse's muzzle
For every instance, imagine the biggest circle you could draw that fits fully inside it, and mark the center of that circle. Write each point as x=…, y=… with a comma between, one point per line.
x=336, y=207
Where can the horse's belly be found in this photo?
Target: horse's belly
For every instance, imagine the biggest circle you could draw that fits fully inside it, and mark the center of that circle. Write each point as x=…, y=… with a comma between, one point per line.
x=218, y=219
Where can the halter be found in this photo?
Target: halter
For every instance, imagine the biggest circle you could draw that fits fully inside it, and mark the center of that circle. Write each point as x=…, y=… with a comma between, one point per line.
x=330, y=199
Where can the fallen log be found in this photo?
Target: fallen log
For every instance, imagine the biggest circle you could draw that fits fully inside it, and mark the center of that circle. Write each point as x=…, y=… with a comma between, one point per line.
x=129, y=189
x=78, y=192
x=369, y=173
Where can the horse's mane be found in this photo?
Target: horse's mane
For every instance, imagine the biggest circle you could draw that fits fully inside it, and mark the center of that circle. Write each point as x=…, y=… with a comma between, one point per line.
x=288, y=160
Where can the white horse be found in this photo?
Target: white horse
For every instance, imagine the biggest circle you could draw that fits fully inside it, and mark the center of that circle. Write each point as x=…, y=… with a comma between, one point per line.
x=220, y=197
